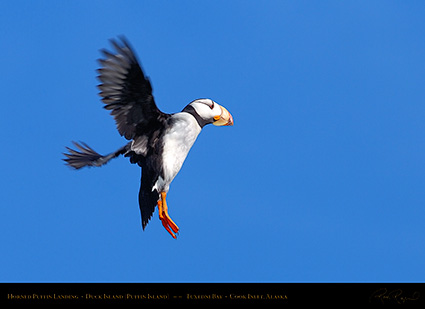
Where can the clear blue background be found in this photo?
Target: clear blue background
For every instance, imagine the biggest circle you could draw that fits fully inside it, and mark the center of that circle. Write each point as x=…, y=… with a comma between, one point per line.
x=320, y=180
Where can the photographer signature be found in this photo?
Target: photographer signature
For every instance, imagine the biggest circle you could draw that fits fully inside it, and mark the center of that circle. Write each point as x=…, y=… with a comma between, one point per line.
x=392, y=296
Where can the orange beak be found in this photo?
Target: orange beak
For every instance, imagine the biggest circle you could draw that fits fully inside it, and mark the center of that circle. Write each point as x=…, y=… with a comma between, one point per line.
x=225, y=119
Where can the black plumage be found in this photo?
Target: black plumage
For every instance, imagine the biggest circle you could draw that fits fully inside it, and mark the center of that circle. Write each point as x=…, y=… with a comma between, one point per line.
x=86, y=156
x=127, y=93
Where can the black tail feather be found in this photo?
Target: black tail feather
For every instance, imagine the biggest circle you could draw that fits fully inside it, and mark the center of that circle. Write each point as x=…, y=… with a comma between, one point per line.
x=148, y=197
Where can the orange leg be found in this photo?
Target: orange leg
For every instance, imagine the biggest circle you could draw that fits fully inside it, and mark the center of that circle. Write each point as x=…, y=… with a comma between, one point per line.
x=164, y=217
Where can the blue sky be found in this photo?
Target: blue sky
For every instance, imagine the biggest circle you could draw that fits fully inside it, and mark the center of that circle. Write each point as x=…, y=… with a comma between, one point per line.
x=320, y=180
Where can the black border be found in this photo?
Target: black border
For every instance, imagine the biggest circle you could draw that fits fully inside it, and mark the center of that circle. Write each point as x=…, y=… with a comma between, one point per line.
x=215, y=293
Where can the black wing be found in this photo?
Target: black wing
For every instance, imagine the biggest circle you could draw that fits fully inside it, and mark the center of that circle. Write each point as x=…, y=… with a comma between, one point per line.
x=126, y=91
x=86, y=156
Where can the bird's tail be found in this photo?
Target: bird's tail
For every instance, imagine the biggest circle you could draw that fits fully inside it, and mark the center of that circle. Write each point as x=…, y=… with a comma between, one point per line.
x=86, y=156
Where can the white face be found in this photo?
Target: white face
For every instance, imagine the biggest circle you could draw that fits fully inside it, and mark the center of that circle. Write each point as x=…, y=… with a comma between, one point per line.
x=209, y=110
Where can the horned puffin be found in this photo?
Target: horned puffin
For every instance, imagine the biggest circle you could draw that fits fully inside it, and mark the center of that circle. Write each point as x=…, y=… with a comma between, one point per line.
x=158, y=142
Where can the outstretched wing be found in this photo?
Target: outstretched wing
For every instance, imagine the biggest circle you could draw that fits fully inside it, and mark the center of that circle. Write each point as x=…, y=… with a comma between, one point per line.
x=86, y=156
x=126, y=91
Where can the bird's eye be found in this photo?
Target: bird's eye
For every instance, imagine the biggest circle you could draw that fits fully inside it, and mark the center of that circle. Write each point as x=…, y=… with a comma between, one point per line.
x=212, y=105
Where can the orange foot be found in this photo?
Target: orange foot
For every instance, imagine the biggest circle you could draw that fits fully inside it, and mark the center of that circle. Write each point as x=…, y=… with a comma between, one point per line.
x=164, y=217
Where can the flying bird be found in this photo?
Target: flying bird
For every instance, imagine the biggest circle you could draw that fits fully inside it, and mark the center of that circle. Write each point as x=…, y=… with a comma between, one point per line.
x=158, y=142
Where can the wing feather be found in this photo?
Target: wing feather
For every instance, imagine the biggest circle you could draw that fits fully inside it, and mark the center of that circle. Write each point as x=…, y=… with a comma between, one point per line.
x=126, y=91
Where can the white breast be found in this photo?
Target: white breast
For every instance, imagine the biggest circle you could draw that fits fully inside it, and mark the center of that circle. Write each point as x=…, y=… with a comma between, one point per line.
x=177, y=142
